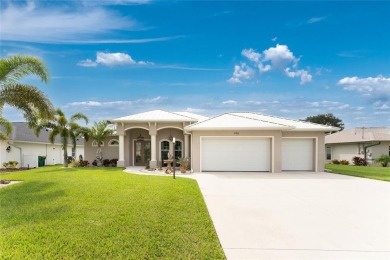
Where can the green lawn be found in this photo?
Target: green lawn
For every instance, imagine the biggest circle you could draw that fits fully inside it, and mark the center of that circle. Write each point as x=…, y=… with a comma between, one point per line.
x=378, y=173
x=104, y=213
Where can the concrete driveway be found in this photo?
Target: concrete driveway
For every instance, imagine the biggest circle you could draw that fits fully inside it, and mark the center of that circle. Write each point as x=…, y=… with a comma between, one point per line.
x=298, y=215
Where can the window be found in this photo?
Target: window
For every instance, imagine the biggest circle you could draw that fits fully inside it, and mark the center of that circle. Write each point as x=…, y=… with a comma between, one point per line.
x=389, y=150
x=328, y=153
x=164, y=145
x=113, y=142
x=95, y=144
x=178, y=149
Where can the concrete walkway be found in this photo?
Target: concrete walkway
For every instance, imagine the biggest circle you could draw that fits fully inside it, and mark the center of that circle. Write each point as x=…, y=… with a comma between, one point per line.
x=298, y=215
x=142, y=171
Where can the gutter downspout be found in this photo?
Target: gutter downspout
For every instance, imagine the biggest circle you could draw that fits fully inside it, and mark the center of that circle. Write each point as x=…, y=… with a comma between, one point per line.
x=20, y=149
x=368, y=146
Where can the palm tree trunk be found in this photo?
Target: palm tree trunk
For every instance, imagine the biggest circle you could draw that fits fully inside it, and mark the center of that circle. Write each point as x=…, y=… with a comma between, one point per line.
x=65, y=147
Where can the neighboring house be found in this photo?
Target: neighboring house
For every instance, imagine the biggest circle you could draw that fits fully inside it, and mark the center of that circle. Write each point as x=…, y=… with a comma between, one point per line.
x=229, y=142
x=365, y=142
x=25, y=147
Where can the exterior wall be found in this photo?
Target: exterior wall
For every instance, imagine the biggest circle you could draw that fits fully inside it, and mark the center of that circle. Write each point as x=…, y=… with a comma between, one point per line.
x=27, y=155
x=276, y=150
x=108, y=152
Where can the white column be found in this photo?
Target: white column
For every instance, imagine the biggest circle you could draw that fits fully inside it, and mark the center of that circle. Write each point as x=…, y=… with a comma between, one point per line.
x=153, y=148
x=121, y=161
x=186, y=146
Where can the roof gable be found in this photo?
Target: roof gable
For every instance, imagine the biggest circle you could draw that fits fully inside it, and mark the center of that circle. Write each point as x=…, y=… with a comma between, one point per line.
x=157, y=116
x=358, y=135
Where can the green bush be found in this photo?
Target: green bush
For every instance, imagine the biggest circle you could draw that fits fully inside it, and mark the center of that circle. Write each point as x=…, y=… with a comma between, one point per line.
x=344, y=162
x=335, y=161
x=384, y=160
x=358, y=161
x=5, y=164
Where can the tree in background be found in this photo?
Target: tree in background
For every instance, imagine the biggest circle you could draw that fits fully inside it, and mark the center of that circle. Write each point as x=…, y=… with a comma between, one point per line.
x=99, y=132
x=326, y=119
x=5, y=127
x=66, y=129
x=29, y=99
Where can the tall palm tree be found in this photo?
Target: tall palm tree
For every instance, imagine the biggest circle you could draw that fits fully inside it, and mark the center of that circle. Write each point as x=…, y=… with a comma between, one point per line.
x=99, y=132
x=6, y=128
x=66, y=129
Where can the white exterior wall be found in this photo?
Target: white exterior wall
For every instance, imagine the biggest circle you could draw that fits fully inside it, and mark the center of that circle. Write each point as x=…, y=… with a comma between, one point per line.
x=345, y=152
x=30, y=152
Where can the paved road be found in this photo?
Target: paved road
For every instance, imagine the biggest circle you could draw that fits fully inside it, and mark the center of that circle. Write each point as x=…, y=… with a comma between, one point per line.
x=298, y=215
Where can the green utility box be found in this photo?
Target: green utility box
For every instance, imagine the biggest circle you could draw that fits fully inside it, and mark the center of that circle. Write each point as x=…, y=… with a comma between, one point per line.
x=41, y=161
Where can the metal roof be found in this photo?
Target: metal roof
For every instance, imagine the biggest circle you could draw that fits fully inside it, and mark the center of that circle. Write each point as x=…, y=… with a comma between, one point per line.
x=358, y=135
x=157, y=116
x=253, y=121
x=21, y=133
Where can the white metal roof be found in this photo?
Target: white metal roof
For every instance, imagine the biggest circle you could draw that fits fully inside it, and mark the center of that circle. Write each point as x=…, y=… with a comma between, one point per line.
x=192, y=115
x=253, y=121
x=358, y=135
x=156, y=116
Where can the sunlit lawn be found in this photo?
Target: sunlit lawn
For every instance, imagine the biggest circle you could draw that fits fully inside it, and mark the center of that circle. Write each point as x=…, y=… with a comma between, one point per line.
x=378, y=173
x=93, y=213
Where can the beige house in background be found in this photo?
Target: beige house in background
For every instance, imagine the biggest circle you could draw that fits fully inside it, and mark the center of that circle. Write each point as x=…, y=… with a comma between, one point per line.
x=229, y=142
x=369, y=143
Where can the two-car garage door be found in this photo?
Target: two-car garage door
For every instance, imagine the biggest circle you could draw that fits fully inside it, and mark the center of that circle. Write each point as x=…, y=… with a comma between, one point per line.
x=254, y=154
x=235, y=154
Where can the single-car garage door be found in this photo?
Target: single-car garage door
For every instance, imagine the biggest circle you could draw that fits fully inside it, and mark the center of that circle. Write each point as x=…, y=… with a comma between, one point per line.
x=297, y=154
x=235, y=154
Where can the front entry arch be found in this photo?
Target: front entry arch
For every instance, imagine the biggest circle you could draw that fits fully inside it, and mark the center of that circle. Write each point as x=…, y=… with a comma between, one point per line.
x=142, y=153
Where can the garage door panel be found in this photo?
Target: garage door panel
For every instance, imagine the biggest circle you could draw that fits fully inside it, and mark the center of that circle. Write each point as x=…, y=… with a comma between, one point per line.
x=297, y=154
x=235, y=154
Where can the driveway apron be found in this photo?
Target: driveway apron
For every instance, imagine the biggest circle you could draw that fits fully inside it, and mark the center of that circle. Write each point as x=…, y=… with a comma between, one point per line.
x=297, y=215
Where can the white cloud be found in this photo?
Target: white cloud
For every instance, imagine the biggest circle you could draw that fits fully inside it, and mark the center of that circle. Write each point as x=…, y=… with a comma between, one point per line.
x=242, y=71
x=251, y=54
x=316, y=19
x=229, y=102
x=279, y=58
x=112, y=59
x=274, y=39
x=124, y=103
x=303, y=74
x=194, y=110
x=87, y=63
x=115, y=2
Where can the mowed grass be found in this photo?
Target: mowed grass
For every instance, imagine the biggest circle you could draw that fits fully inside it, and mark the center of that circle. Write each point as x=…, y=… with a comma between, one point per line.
x=378, y=173
x=58, y=213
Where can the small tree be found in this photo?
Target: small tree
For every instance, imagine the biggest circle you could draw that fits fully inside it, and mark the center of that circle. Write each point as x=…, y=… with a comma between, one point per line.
x=66, y=129
x=5, y=128
x=99, y=132
x=384, y=160
x=326, y=119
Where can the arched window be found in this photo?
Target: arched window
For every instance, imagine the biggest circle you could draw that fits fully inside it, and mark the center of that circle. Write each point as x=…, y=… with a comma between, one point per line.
x=113, y=142
x=95, y=144
x=178, y=149
x=164, y=148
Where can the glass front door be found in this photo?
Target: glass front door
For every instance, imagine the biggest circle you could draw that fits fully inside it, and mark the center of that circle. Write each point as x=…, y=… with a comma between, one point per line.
x=141, y=153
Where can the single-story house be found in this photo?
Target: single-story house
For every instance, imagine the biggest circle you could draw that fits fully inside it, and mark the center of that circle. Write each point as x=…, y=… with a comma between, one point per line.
x=229, y=142
x=26, y=148
x=364, y=142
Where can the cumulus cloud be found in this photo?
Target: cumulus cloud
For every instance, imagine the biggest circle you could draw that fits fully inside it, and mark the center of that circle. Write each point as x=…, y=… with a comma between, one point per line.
x=274, y=58
x=242, y=71
x=112, y=59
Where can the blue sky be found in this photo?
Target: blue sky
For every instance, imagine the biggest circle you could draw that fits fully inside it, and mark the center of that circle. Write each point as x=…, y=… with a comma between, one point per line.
x=113, y=58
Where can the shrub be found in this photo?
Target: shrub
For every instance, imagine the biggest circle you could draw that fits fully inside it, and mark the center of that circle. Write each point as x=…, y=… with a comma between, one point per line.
x=384, y=160
x=75, y=164
x=5, y=164
x=335, y=162
x=344, y=162
x=84, y=163
x=358, y=161
x=106, y=162
x=94, y=163
x=13, y=163
x=113, y=162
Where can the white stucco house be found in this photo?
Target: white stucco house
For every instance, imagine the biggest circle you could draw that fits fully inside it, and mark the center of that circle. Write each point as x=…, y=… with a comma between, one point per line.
x=364, y=142
x=25, y=147
x=229, y=142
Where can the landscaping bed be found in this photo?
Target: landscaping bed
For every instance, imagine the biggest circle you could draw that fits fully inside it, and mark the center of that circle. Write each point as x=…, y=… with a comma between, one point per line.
x=95, y=213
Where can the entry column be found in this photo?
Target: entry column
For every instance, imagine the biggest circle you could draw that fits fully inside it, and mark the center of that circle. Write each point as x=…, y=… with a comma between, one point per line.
x=186, y=145
x=153, y=148
x=121, y=161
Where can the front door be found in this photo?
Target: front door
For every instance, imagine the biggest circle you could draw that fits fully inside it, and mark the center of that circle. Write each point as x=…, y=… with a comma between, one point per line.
x=141, y=153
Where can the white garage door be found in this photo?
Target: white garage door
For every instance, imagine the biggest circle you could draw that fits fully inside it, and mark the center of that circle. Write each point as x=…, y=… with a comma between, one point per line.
x=235, y=154
x=297, y=154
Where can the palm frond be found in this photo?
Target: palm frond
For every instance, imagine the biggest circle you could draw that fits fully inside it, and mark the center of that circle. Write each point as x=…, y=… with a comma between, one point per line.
x=79, y=116
x=6, y=127
x=13, y=69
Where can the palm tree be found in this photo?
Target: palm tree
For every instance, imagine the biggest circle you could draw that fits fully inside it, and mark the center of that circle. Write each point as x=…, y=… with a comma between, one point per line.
x=99, y=132
x=29, y=99
x=66, y=129
x=6, y=128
